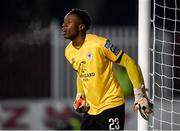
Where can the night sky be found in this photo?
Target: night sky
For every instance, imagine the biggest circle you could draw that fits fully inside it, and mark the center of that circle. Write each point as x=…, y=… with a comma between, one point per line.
x=15, y=13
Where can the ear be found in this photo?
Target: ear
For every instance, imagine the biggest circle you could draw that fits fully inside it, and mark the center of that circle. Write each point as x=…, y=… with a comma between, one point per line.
x=81, y=27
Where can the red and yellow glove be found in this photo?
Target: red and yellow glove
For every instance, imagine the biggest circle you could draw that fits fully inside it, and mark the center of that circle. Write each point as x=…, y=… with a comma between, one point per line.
x=80, y=104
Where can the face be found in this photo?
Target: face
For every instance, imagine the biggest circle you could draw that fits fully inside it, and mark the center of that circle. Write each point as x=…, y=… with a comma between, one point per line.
x=70, y=27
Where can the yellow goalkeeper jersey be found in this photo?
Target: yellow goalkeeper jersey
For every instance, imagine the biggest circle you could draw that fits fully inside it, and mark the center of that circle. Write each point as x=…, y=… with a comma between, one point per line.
x=93, y=63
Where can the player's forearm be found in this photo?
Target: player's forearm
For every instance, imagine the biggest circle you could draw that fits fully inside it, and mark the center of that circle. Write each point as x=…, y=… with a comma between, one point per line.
x=80, y=89
x=80, y=93
x=133, y=70
x=142, y=103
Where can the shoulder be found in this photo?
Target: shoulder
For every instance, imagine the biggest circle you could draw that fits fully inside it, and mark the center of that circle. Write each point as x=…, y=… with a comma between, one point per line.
x=69, y=46
x=99, y=40
x=68, y=49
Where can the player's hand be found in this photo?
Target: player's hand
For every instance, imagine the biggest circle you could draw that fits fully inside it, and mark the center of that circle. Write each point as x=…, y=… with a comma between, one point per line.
x=80, y=104
x=144, y=106
x=142, y=103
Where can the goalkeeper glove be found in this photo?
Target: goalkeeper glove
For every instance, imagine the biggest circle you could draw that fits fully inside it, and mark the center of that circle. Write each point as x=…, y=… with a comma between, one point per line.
x=142, y=103
x=80, y=104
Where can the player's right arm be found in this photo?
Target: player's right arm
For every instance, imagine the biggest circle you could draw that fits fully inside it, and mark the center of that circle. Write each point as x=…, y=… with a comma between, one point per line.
x=80, y=89
x=80, y=104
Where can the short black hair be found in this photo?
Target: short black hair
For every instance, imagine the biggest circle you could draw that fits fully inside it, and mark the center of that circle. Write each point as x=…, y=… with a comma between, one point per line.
x=83, y=15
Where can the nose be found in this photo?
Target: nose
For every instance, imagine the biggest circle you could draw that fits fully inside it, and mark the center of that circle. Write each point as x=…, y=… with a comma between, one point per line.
x=63, y=26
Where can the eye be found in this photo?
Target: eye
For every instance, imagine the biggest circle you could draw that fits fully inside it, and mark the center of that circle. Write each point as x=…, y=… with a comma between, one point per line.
x=70, y=21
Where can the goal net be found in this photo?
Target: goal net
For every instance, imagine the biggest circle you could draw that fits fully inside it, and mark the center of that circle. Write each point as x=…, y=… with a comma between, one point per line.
x=165, y=65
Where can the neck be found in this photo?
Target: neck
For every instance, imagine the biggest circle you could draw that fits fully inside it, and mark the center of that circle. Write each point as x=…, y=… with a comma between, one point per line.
x=78, y=41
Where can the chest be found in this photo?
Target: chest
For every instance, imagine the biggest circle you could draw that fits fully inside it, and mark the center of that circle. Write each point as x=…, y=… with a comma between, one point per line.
x=83, y=60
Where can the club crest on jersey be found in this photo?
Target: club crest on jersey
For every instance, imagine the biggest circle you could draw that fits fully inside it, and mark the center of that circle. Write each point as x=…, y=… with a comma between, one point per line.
x=89, y=56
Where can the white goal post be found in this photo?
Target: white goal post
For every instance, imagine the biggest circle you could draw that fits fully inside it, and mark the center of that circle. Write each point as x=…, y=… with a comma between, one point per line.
x=160, y=61
x=143, y=49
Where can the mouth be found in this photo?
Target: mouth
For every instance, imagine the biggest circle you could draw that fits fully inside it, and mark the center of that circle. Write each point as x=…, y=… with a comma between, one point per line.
x=63, y=32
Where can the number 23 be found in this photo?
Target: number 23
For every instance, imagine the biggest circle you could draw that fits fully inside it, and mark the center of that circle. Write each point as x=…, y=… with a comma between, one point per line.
x=114, y=124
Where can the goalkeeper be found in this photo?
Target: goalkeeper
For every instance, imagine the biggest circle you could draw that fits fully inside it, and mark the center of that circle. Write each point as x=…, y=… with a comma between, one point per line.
x=99, y=95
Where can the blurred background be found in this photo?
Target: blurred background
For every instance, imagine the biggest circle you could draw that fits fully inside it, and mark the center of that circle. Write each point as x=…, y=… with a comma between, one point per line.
x=37, y=84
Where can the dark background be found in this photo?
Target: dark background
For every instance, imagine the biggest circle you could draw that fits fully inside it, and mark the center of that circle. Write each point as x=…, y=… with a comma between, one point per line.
x=25, y=40
x=19, y=13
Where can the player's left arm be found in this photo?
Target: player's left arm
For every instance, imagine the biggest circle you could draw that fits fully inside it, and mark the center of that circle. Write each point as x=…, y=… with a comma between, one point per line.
x=134, y=72
x=118, y=56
